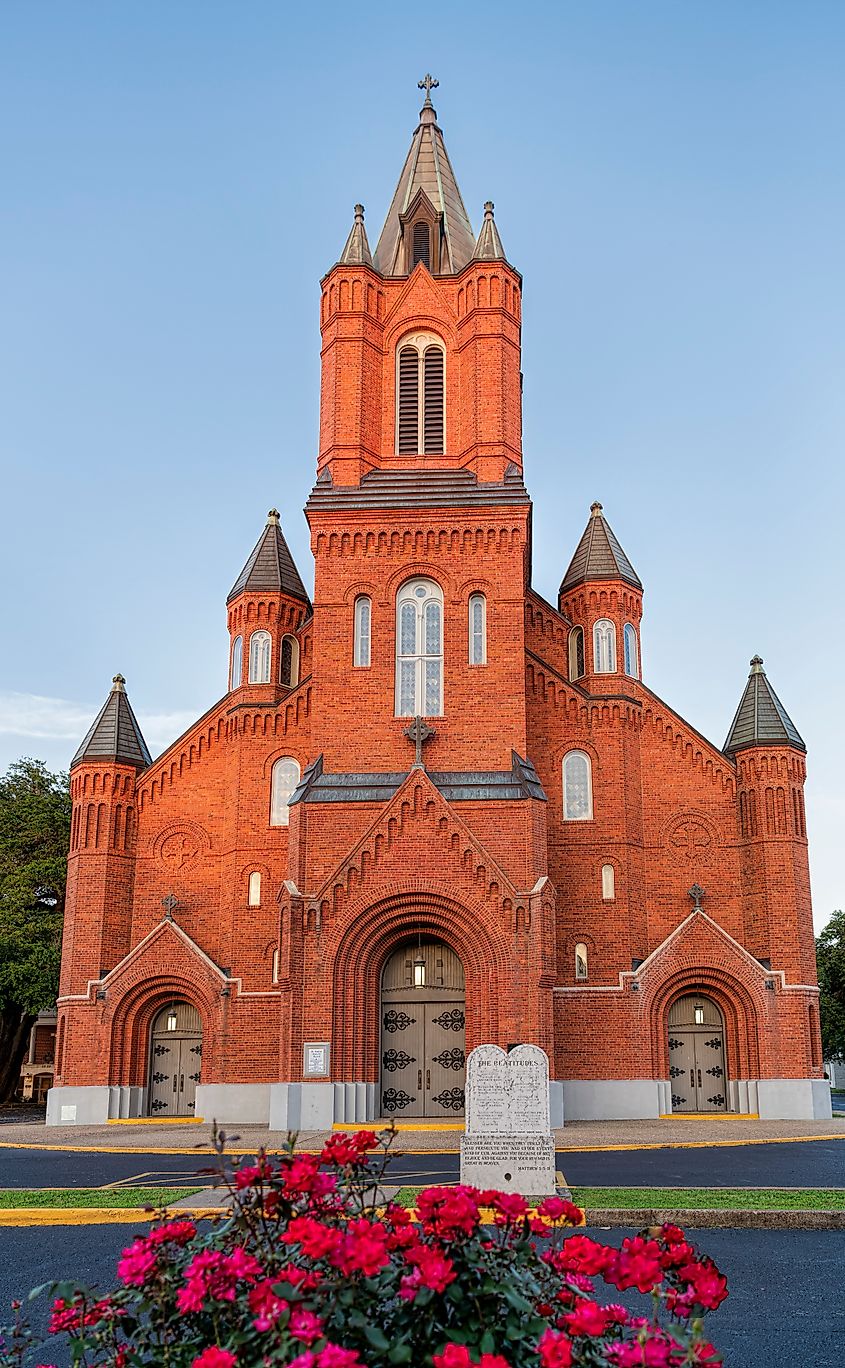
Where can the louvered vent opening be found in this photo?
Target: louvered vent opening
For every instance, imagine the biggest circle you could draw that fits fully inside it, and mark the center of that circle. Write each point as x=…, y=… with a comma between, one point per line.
x=421, y=248
x=409, y=385
x=433, y=428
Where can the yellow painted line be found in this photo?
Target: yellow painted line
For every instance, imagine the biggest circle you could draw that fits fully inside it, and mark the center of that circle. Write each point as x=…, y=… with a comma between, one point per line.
x=709, y=1116
x=52, y=1216
x=155, y=1121
x=402, y=1125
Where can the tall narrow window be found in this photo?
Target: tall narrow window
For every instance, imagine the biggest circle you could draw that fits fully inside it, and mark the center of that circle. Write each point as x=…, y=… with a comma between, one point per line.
x=604, y=647
x=259, y=658
x=608, y=882
x=236, y=672
x=421, y=250
x=289, y=666
x=275, y=965
x=576, y=653
x=419, y=649
x=477, y=629
x=577, y=787
x=282, y=784
x=254, y=889
x=632, y=655
x=581, y=962
x=420, y=409
x=361, y=644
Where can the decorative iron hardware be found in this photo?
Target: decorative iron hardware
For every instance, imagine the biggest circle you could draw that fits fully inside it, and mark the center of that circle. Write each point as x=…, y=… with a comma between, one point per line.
x=675, y=1044
x=714, y=1072
x=195, y=1078
x=158, y=1105
x=450, y=1059
x=676, y=1101
x=451, y=1098
x=196, y=1049
x=715, y=1043
x=718, y=1100
x=396, y=1059
x=674, y=1071
x=394, y=1099
x=397, y=1021
x=159, y=1050
x=159, y=1077
x=450, y=1021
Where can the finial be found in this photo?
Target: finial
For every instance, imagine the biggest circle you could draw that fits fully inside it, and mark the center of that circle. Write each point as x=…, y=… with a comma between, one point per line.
x=757, y=665
x=488, y=209
x=428, y=83
x=696, y=893
x=118, y=684
x=273, y=517
x=595, y=509
x=359, y=213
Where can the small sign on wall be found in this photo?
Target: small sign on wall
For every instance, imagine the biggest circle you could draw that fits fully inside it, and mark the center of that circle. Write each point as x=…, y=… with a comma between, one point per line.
x=315, y=1059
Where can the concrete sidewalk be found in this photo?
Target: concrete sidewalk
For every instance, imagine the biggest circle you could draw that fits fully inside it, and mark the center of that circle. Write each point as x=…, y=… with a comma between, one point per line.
x=578, y=1135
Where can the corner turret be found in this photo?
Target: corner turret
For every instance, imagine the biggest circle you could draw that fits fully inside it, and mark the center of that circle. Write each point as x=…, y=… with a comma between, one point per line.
x=602, y=595
x=266, y=607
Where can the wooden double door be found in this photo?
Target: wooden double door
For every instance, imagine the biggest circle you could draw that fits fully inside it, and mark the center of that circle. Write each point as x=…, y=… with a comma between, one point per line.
x=697, y=1056
x=175, y=1061
x=423, y=1037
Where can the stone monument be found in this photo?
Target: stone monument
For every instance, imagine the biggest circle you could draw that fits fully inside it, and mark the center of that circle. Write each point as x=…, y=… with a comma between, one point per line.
x=508, y=1143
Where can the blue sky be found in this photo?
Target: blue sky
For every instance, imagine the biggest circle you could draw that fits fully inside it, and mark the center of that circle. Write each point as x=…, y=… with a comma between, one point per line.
x=176, y=179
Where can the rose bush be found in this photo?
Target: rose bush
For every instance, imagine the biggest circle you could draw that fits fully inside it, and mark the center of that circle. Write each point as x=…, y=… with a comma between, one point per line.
x=313, y=1269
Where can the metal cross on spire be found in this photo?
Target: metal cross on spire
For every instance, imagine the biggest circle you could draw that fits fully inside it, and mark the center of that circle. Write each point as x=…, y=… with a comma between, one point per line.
x=419, y=732
x=428, y=83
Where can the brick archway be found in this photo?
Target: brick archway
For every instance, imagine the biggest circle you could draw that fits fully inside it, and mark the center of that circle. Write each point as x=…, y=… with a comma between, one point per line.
x=133, y=1018
x=364, y=950
x=739, y=1014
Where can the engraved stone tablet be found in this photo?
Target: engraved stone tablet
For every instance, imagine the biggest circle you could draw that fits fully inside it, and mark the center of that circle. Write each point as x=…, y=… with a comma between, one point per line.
x=508, y=1143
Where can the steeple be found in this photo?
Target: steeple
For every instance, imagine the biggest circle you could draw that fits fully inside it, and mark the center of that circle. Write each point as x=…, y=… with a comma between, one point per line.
x=115, y=736
x=761, y=719
x=427, y=189
x=489, y=245
x=357, y=249
x=270, y=568
x=599, y=556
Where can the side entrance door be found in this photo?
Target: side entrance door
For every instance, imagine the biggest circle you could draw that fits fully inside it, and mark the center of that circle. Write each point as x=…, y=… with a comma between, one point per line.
x=423, y=1059
x=697, y=1056
x=175, y=1061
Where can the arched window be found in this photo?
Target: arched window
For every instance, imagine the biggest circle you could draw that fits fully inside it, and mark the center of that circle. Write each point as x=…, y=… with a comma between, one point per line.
x=576, y=653
x=581, y=963
x=253, y=897
x=421, y=250
x=608, y=882
x=289, y=663
x=361, y=642
x=259, y=658
x=282, y=784
x=477, y=629
x=419, y=649
x=632, y=655
x=420, y=423
x=604, y=647
x=236, y=672
x=577, y=787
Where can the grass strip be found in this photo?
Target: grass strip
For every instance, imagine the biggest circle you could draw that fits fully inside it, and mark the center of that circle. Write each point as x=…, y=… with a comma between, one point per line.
x=19, y=1198
x=690, y=1199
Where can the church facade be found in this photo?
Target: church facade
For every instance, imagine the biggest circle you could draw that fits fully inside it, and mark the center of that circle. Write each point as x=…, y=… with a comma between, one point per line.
x=433, y=809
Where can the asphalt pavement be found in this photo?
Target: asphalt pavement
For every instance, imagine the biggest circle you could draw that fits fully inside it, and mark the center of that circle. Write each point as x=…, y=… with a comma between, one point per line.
x=807, y=1163
x=784, y=1304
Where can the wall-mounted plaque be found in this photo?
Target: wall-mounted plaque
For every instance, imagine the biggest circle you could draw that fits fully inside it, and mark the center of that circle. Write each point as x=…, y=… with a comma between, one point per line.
x=315, y=1059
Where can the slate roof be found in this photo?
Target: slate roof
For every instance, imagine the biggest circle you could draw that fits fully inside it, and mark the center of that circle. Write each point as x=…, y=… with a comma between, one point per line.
x=489, y=245
x=427, y=167
x=270, y=568
x=520, y=781
x=357, y=249
x=401, y=488
x=599, y=556
x=761, y=719
x=115, y=736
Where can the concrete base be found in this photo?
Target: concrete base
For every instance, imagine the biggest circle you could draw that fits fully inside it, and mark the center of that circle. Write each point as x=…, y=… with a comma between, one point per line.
x=555, y=1104
x=301, y=1106
x=94, y=1106
x=241, y=1104
x=794, y=1099
x=612, y=1099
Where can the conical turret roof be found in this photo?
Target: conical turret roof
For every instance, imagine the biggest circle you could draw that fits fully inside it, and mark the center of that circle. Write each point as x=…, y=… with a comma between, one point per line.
x=599, y=556
x=357, y=249
x=427, y=168
x=761, y=719
x=270, y=568
x=115, y=736
x=489, y=245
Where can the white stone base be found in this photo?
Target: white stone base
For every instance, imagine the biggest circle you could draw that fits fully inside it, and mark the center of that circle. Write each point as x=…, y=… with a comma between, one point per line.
x=239, y=1104
x=95, y=1105
x=555, y=1104
x=794, y=1099
x=613, y=1099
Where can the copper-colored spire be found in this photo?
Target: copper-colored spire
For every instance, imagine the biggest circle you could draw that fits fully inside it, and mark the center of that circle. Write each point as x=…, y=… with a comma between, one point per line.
x=489, y=245
x=357, y=249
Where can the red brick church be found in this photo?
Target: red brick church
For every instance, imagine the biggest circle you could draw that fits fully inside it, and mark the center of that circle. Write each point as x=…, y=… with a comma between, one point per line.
x=432, y=809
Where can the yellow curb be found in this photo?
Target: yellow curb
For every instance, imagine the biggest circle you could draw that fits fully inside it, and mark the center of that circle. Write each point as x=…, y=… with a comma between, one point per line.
x=401, y=1126
x=156, y=1121
x=709, y=1116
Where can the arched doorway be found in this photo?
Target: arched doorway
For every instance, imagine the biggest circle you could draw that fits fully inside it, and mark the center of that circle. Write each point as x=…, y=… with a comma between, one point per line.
x=422, y=1032
x=697, y=1055
x=175, y=1061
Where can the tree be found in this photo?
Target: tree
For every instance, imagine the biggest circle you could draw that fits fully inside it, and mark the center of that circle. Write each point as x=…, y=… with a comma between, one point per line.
x=35, y=812
x=830, y=958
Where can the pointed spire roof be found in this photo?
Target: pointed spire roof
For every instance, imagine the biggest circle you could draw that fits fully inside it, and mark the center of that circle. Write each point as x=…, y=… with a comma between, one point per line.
x=761, y=719
x=115, y=736
x=357, y=249
x=270, y=568
x=427, y=168
x=489, y=245
x=599, y=556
